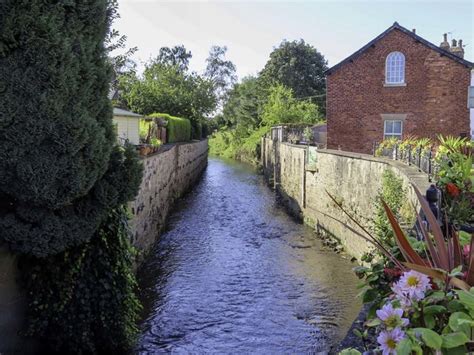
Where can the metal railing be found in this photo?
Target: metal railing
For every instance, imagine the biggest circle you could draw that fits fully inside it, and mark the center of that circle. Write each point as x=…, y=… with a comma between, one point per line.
x=421, y=158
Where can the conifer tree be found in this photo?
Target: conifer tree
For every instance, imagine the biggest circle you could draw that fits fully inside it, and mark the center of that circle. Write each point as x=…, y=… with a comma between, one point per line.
x=60, y=171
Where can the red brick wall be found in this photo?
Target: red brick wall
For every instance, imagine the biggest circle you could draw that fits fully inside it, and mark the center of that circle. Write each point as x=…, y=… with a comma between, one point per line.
x=434, y=98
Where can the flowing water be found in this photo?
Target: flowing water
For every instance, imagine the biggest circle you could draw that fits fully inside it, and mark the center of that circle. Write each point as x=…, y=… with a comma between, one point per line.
x=235, y=274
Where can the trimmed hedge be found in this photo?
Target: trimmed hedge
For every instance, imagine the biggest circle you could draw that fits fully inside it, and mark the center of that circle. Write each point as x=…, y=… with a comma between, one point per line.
x=177, y=130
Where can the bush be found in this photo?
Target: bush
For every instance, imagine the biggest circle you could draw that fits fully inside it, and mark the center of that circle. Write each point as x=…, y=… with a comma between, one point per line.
x=178, y=129
x=197, y=130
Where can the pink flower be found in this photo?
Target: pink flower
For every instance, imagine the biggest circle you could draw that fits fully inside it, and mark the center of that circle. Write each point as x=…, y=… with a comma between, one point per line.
x=388, y=340
x=392, y=317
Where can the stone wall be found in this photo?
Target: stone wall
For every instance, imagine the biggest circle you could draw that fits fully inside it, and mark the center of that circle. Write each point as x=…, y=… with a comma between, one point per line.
x=167, y=176
x=353, y=179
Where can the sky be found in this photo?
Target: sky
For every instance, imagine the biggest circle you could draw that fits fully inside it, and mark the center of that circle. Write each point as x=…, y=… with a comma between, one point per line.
x=252, y=29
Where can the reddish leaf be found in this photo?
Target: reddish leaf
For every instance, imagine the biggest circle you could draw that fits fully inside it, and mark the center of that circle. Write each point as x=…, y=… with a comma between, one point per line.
x=435, y=229
x=405, y=247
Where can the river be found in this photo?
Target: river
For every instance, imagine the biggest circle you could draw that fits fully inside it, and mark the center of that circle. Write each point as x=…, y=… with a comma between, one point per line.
x=235, y=274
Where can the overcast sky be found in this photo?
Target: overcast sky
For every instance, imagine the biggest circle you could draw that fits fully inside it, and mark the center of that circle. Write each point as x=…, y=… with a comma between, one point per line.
x=251, y=29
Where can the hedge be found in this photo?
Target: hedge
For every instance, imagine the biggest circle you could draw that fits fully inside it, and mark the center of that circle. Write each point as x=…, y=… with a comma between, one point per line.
x=177, y=130
x=197, y=130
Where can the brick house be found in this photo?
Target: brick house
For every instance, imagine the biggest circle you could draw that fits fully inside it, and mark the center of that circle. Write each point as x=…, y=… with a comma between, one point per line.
x=398, y=84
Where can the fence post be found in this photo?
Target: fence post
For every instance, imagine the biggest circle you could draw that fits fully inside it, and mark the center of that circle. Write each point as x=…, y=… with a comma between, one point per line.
x=409, y=155
x=430, y=156
x=419, y=158
x=396, y=151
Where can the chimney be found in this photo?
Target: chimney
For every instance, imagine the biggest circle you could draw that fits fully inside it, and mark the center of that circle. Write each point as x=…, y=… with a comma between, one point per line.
x=445, y=44
x=454, y=43
x=457, y=49
x=414, y=30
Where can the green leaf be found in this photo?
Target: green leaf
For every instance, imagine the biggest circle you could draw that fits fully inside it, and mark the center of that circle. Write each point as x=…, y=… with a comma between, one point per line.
x=456, y=324
x=369, y=295
x=430, y=338
x=429, y=321
x=435, y=309
x=453, y=340
x=466, y=298
x=404, y=347
x=373, y=322
x=455, y=306
x=350, y=351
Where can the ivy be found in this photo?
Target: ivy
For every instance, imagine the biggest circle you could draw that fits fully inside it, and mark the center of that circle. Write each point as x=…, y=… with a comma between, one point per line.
x=83, y=300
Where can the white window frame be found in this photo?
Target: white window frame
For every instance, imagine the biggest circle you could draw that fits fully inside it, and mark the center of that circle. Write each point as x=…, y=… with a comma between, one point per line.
x=395, y=69
x=388, y=135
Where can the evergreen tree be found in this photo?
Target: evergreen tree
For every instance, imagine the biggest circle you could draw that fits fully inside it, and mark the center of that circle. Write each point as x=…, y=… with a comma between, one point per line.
x=58, y=176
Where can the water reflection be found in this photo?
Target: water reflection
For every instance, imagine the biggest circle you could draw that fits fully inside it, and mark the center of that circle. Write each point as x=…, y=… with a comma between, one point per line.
x=235, y=274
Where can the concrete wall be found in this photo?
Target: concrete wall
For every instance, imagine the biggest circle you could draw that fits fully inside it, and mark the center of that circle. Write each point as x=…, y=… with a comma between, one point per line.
x=353, y=179
x=168, y=175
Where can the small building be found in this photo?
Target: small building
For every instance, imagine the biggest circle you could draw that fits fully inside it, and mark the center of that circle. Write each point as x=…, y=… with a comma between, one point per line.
x=128, y=125
x=397, y=85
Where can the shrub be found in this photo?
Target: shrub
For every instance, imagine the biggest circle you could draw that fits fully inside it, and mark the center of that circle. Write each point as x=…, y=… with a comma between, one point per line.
x=197, y=130
x=178, y=129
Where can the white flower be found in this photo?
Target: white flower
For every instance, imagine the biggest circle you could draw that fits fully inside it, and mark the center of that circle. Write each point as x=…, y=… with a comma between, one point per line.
x=392, y=317
x=412, y=286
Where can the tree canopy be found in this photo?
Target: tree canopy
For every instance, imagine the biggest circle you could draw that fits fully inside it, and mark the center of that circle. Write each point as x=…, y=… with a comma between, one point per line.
x=298, y=66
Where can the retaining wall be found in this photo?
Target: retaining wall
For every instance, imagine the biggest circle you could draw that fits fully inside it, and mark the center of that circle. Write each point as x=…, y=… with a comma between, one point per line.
x=354, y=179
x=167, y=176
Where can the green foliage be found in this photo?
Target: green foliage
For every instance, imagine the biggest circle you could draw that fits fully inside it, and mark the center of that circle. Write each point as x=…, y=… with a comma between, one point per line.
x=178, y=129
x=83, y=300
x=59, y=170
x=63, y=179
x=167, y=88
x=177, y=56
x=455, y=177
x=282, y=107
x=220, y=71
x=197, y=130
x=244, y=104
x=299, y=67
x=243, y=140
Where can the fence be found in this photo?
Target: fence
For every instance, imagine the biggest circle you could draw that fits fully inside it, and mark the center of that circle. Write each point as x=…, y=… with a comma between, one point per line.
x=422, y=158
x=295, y=134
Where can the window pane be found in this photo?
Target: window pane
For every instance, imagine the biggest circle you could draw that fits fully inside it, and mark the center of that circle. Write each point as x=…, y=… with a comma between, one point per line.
x=388, y=127
x=395, y=68
x=397, y=127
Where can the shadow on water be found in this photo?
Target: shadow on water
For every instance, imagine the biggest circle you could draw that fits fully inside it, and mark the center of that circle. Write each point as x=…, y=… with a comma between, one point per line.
x=235, y=274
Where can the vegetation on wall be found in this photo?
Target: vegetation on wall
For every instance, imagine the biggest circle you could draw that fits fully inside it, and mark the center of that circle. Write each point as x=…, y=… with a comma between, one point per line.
x=62, y=175
x=83, y=300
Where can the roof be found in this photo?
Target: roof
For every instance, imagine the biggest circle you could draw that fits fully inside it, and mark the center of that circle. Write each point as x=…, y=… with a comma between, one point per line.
x=122, y=112
x=412, y=34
